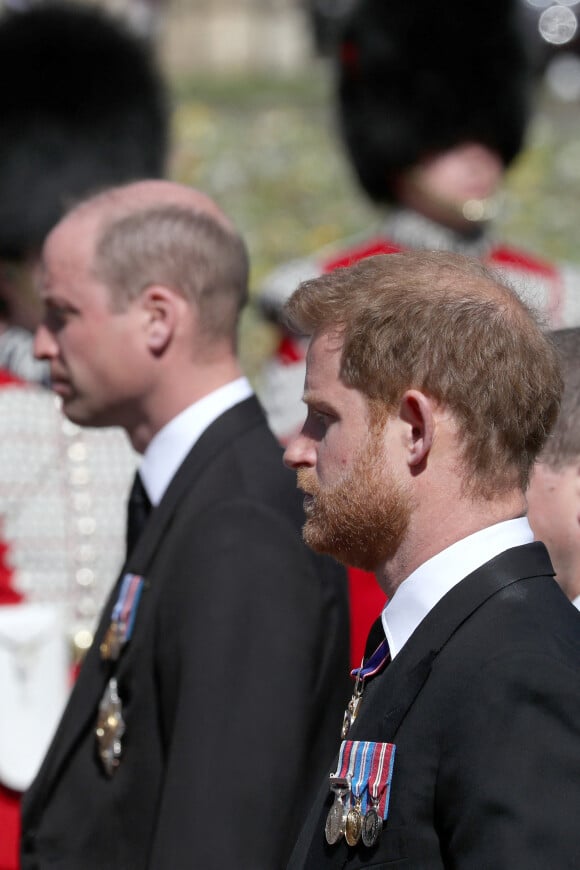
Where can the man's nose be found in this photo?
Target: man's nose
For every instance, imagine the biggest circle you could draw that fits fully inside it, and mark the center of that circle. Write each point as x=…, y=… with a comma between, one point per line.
x=300, y=452
x=44, y=344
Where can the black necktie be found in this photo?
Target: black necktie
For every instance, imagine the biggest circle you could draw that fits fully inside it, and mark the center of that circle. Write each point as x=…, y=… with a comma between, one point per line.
x=138, y=510
x=375, y=636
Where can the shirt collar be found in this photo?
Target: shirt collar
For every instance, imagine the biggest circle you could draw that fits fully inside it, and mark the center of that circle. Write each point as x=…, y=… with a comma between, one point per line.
x=173, y=442
x=427, y=585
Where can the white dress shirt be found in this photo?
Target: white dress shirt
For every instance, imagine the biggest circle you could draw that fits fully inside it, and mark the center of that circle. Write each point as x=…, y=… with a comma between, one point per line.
x=173, y=442
x=427, y=585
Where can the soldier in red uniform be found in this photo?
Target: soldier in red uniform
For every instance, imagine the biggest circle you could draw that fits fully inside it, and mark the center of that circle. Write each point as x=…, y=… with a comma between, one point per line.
x=433, y=102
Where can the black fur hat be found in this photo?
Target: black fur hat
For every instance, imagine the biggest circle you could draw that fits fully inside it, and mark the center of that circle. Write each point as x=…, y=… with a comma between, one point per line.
x=418, y=76
x=82, y=107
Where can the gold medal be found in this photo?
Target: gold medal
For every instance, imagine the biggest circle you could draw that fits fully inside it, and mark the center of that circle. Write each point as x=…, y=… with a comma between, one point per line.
x=112, y=642
x=353, y=824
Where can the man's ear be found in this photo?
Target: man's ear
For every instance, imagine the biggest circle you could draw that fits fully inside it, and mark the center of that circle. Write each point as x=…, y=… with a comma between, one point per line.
x=416, y=410
x=160, y=306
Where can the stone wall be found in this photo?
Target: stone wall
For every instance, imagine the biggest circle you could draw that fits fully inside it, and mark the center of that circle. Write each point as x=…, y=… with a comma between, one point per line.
x=234, y=35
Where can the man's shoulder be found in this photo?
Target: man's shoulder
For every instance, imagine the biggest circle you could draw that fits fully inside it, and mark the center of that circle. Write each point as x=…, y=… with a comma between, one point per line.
x=528, y=613
x=237, y=459
x=500, y=601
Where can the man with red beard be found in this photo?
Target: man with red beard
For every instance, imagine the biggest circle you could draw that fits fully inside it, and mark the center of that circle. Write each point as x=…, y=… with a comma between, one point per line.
x=430, y=389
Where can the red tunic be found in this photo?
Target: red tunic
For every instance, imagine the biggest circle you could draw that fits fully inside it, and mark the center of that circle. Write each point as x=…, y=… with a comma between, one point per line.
x=9, y=800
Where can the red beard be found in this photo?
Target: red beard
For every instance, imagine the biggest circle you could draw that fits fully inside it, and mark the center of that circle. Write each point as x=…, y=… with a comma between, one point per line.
x=362, y=519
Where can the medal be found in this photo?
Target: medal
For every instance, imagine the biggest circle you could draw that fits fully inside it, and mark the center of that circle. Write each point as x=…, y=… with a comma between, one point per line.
x=110, y=728
x=340, y=784
x=361, y=770
x=353, y=824
x=353, y=707
x=372, y=826
x=335, y=821
x=122, y=618
x=379, y=789
x=375, y=663
x=361, y=786
x=360, y=763
x=112, y=642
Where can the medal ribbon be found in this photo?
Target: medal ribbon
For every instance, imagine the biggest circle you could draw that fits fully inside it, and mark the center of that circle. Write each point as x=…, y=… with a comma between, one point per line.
x=343, y=759
x=125, y=609
x=363, y=755
x=374, y=663
x=367, y=764
x=346, y=761
x=381, y=775
x=129, y=610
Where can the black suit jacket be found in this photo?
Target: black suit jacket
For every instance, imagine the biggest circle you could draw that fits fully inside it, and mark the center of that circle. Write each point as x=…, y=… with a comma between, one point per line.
x=233, y=683
x=483, y=706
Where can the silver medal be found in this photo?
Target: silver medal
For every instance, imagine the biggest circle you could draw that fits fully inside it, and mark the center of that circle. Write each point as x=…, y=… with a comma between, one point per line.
x=110, y=728
x=352, y=709
x=336, y=819
x=372, y=826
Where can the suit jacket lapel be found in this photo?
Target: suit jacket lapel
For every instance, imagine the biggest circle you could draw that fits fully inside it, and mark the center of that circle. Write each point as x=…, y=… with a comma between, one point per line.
x=221, y=433
x=80, y=712
x=400, y=684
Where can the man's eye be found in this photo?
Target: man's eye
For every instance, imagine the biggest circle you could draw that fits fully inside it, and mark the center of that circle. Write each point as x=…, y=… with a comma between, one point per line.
x=55, y=318
x=322, y=418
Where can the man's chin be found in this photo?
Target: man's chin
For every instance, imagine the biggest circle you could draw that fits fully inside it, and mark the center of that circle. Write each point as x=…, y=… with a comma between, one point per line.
x=348, y=553
x=327, y=546
x=76, y=412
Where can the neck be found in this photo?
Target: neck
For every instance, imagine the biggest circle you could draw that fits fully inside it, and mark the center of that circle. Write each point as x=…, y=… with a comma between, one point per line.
x=174, y=394
x=434, y=528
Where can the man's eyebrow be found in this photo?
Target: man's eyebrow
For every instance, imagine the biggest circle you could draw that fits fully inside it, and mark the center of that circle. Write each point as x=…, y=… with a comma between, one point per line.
x=310, y=398
x=57, y=303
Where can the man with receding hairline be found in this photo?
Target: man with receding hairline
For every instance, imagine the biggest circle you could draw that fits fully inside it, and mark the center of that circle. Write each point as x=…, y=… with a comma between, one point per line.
x=215, y=686
x=430, y=389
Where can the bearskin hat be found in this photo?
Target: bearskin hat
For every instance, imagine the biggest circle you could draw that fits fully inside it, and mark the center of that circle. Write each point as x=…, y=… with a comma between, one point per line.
x=82, y=107
x=417, y=77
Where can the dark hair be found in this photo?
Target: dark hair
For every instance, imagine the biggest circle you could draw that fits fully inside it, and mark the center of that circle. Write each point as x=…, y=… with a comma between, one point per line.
x=82, y=108
x=417, y=77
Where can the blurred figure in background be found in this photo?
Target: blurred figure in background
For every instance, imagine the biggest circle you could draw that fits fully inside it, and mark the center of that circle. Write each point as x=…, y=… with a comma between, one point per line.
x=554, y=490
x=82, y=106
x=433, y=101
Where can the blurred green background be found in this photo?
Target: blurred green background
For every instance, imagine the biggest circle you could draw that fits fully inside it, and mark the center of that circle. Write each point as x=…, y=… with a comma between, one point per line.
x=266, y=149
